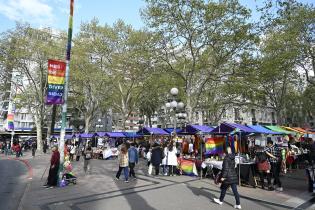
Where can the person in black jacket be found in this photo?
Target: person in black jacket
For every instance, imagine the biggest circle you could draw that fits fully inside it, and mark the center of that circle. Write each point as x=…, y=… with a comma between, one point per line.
x=229, y=178
x=156, y=157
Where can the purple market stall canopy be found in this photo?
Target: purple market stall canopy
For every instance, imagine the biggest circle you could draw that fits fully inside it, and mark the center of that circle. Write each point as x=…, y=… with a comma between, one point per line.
x=170, y=130
x=193, y=129
x=152, y=131
x=86, y=135
x=66, y=136
x=263, y=130
x=226, y=128
x=115, y=135
x=132, y=135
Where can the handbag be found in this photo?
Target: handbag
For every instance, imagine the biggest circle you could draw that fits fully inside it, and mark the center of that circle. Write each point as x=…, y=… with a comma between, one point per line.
x=150, y=169
x=263, y=166
x=217, y=178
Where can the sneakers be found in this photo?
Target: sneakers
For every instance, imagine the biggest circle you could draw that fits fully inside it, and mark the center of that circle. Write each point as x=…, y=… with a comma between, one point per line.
x=237, y=207
x=280, y=189
x=126, y=181
x=116, y=178
x=216, y=200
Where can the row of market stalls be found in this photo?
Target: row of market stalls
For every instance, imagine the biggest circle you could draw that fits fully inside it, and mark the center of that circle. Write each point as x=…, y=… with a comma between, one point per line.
x=222, y=129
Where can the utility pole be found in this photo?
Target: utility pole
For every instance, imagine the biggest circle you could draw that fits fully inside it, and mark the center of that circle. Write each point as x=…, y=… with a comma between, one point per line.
x=64, y=106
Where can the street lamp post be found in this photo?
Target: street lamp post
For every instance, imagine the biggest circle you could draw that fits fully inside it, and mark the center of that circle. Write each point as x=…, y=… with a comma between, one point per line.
x=175, y=105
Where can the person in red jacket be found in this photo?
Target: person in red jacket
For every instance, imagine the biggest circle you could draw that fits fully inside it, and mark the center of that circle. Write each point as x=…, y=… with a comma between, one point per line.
x=17, y=150
x=54, y=167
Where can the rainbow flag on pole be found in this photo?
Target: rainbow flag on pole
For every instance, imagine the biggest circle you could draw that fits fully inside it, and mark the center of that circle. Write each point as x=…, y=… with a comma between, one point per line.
x=214, y=146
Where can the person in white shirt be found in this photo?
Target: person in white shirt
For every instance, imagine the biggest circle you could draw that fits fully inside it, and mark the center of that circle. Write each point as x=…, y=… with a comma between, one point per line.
x=171, y=158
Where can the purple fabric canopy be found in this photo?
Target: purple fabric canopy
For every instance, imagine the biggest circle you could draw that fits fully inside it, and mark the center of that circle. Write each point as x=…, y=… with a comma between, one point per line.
x=101, y=134
x=152, y=131
x=115, y=135
x=230, y=127
x=86, y=135
x=193, y=129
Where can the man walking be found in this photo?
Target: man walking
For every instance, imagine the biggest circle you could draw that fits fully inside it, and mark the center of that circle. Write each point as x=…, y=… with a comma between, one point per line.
x=275, y=159
x=133, y=159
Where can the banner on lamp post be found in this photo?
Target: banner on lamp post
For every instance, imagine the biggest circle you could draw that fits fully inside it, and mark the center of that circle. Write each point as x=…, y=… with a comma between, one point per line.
x=56, y=81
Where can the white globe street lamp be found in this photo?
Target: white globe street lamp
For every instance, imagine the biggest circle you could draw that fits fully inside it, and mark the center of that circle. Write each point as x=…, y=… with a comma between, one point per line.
x=174, y=104
x=174, y=91
x=181, y=105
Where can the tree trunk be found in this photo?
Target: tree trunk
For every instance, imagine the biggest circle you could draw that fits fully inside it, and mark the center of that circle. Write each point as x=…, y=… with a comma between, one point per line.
x=189, y=107
x=51, y=126
x=87, y=124
x=39, y=136
x=150, y=121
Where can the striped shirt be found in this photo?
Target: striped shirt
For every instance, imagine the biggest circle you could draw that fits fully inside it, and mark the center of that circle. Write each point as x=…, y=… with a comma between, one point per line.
x=275, y=151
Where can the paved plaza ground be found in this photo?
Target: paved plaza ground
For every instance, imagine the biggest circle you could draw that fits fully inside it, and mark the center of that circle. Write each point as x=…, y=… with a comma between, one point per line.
x=99, y=190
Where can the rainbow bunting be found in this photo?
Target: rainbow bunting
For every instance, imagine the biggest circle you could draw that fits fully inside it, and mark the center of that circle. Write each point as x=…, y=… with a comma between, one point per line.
x=214, y=146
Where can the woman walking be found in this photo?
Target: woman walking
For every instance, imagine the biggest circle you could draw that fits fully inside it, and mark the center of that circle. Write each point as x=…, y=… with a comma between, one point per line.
x=123, y=163
x=172, y=158
x=229, y=178
x=87, y=158
x=54, y=167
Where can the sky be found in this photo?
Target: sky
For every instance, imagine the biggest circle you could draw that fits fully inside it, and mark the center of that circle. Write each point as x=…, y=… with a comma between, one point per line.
x=55, y=13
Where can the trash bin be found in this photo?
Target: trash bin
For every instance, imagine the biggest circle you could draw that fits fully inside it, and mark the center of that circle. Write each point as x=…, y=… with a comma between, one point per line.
x=310, y=171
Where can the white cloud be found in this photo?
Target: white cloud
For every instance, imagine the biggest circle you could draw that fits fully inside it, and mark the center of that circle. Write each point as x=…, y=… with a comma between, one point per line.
x=32, y=11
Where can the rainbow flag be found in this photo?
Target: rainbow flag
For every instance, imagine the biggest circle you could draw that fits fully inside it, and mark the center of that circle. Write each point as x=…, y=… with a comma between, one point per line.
x=214, y=146
x=10, y=120
x=188, y=167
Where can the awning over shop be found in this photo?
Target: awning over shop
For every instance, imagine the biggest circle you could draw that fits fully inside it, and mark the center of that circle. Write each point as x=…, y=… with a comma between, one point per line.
x=152, y=131
x=263, y=130
x=226, y=128
x=279, y=129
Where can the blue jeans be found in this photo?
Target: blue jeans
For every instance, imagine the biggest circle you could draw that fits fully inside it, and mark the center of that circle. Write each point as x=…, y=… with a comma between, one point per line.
x=224, y=187
x=126, y=172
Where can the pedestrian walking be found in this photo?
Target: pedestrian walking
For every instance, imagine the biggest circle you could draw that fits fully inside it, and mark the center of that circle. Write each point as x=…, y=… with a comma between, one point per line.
x=156, y=157
x=171, y=158
x=164, y=160
x=229, y=178
x=17, y=149
x=275, y=158
x=123, y=162
x=72, y=151
x=78, y=153
x=133, y=159
x=88, y=152
x=34, y=147
x=54, y=167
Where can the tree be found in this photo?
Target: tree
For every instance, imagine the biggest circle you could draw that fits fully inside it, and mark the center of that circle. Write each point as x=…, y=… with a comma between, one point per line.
x=28, y=50
x=200, y=41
